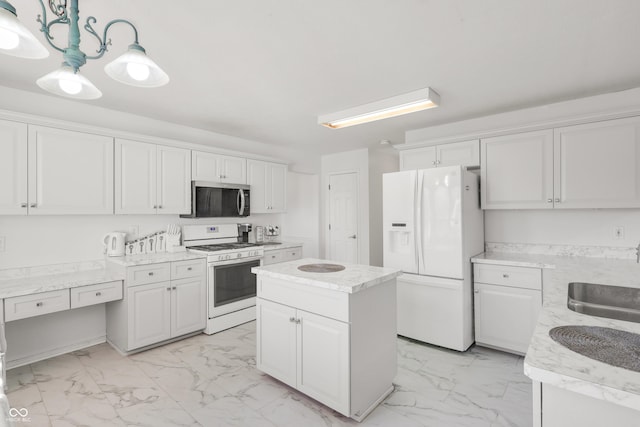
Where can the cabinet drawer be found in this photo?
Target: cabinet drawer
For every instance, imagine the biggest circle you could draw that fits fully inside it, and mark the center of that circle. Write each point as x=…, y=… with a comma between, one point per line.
x=34, y=305
x=96, y=294
x=324, y=302
x=190, y=268
x=152, y=273
x=291, y=254
x=272, y=257
x=519, y=277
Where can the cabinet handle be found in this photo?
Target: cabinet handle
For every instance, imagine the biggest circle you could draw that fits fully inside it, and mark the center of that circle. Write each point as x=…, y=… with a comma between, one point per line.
x=98, y=294
x=476, y=291
x=297, y=321
x=506, y=276
x=34, y=205
x=169, y=288
x=155, y=206
x=23, y=205
x=151, y=273
x=159, y=206
x=437, y=162
x=292, y=319
x=189, y=268
x=557, y=200
x=174, y=288
x=549, y=200
x=39, y=304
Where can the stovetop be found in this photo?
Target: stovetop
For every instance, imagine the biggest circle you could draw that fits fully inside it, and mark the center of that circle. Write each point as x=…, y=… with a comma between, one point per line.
x=223, y=246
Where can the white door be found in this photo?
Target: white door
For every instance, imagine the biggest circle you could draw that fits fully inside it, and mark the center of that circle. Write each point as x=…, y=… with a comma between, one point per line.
x=418, y=158
x=398, y=219
x=149, y=314
x=278, y=187
x=323, y=360
x=136, y=177
x=465, y=153
x=276, y=341
x=174, y=180
x=597, y=165
x=188, y=305
x=233, y=169
x=517, y=171
x=13, y=168
x=257, y=179
x=69, y=172
x=343, y=217
x=439, y=222
x=505, y=317
x=204, y=167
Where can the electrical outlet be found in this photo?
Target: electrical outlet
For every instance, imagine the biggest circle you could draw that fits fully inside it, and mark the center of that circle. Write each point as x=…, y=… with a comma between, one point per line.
x=2, y=243
x=618, y=232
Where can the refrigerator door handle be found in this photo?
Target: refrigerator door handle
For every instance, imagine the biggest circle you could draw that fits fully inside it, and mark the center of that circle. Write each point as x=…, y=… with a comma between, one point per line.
x=418, y=222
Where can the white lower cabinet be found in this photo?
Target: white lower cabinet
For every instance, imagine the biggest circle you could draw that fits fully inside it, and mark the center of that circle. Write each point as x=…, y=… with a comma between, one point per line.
x=336, y=347
x=154, y=311
x=507, y=301
x=282, y=255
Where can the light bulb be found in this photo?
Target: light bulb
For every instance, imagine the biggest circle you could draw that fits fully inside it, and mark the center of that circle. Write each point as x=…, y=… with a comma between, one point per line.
x=137, y=71
x=8, y=39
x=70, y=86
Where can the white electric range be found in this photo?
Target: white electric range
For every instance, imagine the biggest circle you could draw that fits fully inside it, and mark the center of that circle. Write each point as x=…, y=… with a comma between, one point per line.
x=231, y=287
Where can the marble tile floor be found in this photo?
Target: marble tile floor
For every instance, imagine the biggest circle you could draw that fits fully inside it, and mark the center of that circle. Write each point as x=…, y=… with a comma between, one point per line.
x=212, y=381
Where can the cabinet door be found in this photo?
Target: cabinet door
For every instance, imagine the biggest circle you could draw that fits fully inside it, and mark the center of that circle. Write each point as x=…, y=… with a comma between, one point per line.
x=597, y=165
x=418, y=158
x=204, y=166
x=69, y=172
x=174, y=180
x=188, y=305
x=278, y=188
x=276, y=340
x=233, y=169
x=323, y=360
x=13, y=168
x=465, y=153
x=257, y=179
x=505, y=317
x=136, y=177
x=149, y=314
x=517, y=171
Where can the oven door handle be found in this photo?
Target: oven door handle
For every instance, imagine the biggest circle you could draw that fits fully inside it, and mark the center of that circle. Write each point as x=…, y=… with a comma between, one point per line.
x=240, y=201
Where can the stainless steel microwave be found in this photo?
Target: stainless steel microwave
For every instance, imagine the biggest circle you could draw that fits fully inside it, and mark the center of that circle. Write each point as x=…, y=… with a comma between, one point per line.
x=214, y=199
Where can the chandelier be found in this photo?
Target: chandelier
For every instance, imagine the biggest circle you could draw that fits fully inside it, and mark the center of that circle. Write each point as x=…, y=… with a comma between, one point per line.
x=133, y=67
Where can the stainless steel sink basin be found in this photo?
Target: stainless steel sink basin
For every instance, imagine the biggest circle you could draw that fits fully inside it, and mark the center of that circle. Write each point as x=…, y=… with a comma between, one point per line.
x=613, y=302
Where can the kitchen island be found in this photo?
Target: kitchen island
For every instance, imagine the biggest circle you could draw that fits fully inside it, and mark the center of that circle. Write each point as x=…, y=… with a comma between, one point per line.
x=569, y=388
x=331, y=334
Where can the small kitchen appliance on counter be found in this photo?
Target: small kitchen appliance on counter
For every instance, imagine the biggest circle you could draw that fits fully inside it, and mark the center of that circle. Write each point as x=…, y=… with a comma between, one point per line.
x=114, y=243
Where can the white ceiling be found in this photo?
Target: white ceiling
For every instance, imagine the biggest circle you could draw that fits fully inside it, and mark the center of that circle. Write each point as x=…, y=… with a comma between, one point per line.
x=265, y=69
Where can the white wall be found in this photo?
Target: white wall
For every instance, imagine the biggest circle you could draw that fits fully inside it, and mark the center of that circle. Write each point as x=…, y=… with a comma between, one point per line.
x=301, y=223
x=381, y=161
x=589, y=227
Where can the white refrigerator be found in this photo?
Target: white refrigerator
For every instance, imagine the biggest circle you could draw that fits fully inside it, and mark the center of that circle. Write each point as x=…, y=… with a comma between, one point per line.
x=433, y=225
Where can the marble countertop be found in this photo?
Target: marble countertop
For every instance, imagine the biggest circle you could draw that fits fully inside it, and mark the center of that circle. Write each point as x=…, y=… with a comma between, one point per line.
x=144, y=259
x=282, y=245
x=551, y=363
x=33, y=284
x=352, y=279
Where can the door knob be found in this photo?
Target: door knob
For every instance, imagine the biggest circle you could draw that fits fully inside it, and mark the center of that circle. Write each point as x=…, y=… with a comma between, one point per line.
x=352, y=237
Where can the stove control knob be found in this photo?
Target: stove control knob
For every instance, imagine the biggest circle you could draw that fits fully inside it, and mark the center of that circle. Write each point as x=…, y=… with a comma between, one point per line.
x=227, y=257
x=220, y=257
x=239, y=255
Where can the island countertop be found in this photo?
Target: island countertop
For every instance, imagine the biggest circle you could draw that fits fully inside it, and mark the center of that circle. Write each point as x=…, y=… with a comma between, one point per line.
x=353, y=278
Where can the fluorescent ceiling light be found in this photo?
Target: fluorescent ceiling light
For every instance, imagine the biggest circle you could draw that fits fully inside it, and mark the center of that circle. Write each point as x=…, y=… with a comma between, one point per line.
x=411, y=102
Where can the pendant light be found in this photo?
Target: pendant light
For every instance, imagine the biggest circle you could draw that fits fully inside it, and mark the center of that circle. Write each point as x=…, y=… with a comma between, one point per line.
x=133, y=67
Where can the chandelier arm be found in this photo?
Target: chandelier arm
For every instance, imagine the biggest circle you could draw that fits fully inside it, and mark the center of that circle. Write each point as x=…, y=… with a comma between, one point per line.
x=104, y=41
x=60, y=9
x=46, y=30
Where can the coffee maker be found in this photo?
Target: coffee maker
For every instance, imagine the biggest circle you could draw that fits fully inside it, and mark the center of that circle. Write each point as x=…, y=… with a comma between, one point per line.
x=245, y=233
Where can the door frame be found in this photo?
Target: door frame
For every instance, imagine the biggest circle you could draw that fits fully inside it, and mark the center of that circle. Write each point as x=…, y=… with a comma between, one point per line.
x=356, y=172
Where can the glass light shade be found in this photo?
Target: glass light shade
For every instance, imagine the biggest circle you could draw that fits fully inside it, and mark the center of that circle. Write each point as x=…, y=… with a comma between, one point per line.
x=135, y=68
x=65, y=82
x=17, y=40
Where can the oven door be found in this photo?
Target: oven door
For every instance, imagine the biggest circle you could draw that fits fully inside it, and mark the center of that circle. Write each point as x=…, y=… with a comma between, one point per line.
x=232, y=286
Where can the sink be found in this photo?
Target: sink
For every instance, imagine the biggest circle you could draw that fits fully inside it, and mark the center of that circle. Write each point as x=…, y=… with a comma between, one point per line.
x=607, y=345
x=613, y=302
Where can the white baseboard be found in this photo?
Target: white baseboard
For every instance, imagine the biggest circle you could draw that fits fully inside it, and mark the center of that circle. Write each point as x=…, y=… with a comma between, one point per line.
x=32, y=358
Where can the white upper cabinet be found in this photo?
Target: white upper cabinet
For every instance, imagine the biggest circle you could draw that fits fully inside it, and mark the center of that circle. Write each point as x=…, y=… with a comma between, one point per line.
x=597, y=165
x=218, y=168
x=466, y=153
x=13, y=168
x=69, y=172
x=268, y=183
x=517, y=171
x=151, y=179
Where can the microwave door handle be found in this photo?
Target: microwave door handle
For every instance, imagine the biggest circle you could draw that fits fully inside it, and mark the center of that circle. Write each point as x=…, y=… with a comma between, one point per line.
x=241, y=202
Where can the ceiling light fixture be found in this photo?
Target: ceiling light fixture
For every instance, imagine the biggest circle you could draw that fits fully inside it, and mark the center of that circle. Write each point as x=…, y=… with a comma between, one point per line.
x=411, y=102
x=133, y=67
